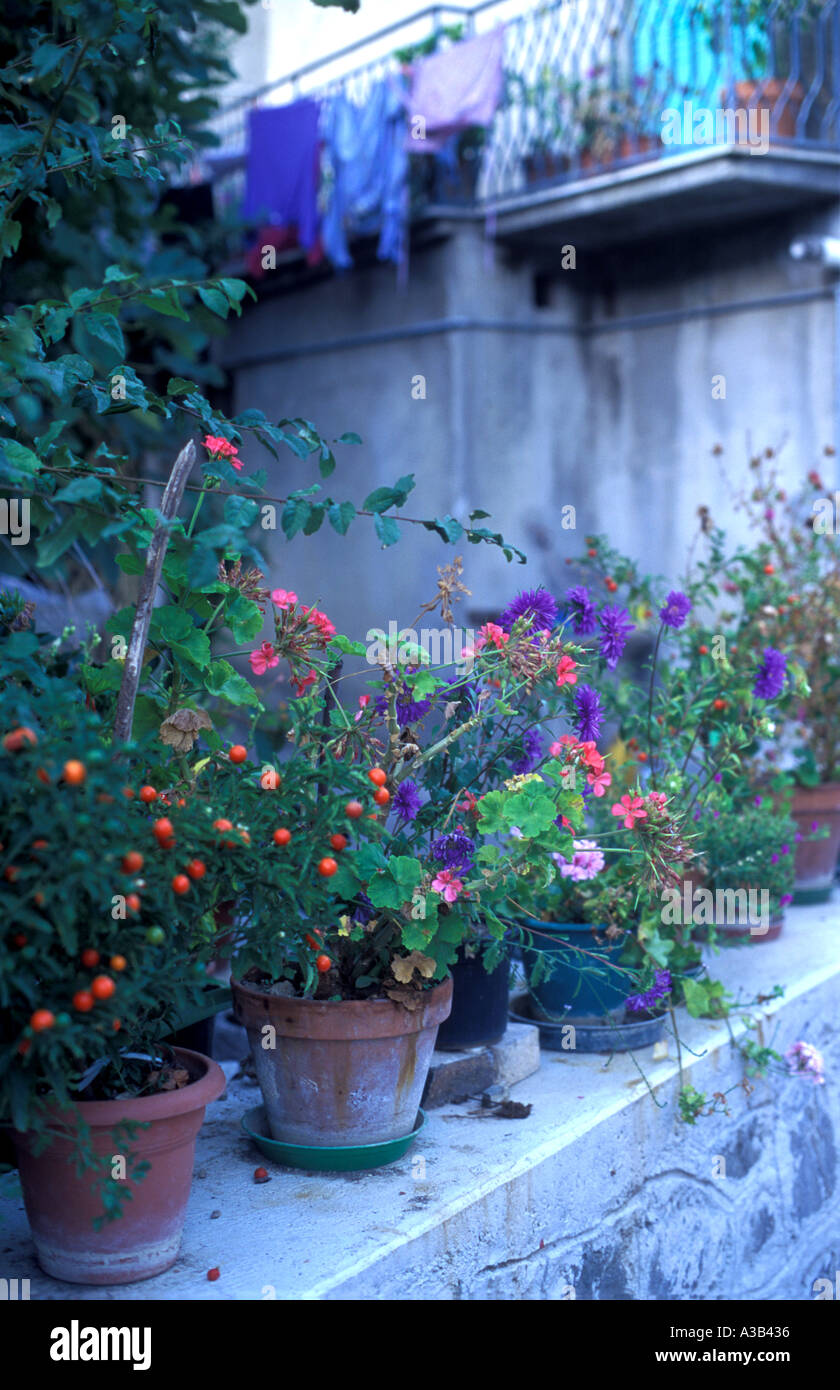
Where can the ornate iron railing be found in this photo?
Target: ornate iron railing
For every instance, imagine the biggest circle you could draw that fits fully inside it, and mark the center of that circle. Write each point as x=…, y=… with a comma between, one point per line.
x=596, y=85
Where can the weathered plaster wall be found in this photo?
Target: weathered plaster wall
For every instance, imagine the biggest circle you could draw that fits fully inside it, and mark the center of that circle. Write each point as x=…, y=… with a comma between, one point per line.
x=533, y=408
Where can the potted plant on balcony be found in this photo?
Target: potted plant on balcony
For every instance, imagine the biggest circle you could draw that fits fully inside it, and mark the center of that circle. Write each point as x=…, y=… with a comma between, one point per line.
x=760, y=39
x=614, y=117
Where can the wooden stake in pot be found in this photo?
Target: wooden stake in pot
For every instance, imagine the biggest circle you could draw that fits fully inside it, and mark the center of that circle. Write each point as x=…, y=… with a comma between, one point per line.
x=170, y=503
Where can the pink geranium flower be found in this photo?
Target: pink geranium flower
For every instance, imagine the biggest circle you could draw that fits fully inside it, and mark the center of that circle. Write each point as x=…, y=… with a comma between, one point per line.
x=493, y=635
x=263, y=659
x=222, y=449
x=557, y=749
x=302, y=683
x=320, y=620
x=448, y=885
x=284, y=598
x=599, y=781
x=566, y=669
x=632, y=808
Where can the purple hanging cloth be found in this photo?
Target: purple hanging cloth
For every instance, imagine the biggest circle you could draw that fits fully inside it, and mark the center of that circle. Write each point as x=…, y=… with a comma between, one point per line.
x=460, y=87
x=282, y=169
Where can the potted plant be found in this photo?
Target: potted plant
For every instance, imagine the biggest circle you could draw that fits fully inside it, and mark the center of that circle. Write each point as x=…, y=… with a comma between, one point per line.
x=96, y=961
x=785, y=603
x=356, y=1009
x=748, y=851
x=761, y=36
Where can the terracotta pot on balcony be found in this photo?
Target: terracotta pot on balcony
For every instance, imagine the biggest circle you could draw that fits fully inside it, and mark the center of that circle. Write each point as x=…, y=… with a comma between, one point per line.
x=625, y=148
x=764, y=96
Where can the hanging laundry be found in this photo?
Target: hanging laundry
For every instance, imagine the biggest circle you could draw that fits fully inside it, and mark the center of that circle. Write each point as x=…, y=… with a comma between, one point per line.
x=282, y=169
x=459, y=87
x=367, y=165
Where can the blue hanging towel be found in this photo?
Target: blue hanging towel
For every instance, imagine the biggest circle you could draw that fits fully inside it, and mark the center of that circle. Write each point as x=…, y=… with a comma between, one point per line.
x=366, y=152
x=281, y=180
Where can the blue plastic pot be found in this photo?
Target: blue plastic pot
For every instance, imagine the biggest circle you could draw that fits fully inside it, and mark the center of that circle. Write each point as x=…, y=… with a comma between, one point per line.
x=579, y=987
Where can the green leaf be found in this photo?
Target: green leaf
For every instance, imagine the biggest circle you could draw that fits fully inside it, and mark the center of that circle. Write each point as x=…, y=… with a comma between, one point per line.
x=387, y=530
x=80, y=490
x=340, y=515
x=244, y=619
x=214, y=300
x=349, y=437
x=295, y=516
x=222, y=680
x=107, y=330
x=345, y=645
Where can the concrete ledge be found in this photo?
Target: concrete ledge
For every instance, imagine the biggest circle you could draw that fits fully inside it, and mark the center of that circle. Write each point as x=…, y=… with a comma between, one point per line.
x=601, y=1193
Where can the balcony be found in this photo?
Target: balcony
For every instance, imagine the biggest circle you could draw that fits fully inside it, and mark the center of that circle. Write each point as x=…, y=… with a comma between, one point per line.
x=619, y=118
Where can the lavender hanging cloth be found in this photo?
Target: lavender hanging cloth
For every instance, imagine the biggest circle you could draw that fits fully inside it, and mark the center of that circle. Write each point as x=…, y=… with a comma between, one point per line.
x=459, y=87
x=366, y=153
x=282, y=170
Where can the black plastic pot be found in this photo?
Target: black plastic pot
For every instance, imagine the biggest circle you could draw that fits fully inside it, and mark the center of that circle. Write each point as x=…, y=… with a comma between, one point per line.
x=479, y=1004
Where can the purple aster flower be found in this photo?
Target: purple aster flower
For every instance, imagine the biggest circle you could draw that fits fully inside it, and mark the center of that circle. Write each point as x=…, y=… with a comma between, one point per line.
x=364, y=910
x=785, y=899
x=758, y=800
x=676, y=610
x=589, y=713
x=408, y=710
x=615, y=628
x=774, y=858
x=660, y=987
x=718, y=777
x=770, y=680
x=798, y=837
x=785, y=849
x=532, y=751
x=407, y=800
x=538, y=604
x=454, y=851
x=581, y=609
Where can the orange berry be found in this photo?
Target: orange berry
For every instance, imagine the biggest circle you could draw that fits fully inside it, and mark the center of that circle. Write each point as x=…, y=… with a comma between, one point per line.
x=327, y=867
x=41, y=1020
x=181, y=884
x=14, y=741
x=83, y=1001
x=322, y=964
x=611, y=585
x=90, y=958
x=11, y=872
x=282, y=836
x=592, y=554
x=118, y=962
x=40, y=844
x=378, y=776
x=196, y=868
x=769, y=569
x=703, y=649
x=38, y=899
x=132, y=862
x=382, y=796
x=163, y=831
x=338, y=842
x=238, y=753
x=102, y=987
x=353, y=810
x=74, y=772
x=719, y=703
x=128, y=793
x=132, y=902
x=42, y=775
x=116, y=1025
x=213, y=1274
x=19, y=939
x=148, y=795
x=222, y=824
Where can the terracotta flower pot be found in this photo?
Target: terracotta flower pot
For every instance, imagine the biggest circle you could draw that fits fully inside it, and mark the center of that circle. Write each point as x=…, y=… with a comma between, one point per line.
x=764, y=96
x=347, y=1072
x=61, y=1206
x=816, y=860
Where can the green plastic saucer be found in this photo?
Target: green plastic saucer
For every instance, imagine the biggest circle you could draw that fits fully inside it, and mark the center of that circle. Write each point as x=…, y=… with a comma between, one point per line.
x=339, y=1158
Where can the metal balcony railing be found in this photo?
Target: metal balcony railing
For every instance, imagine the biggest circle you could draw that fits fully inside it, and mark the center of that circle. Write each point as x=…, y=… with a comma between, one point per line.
x=596, y=85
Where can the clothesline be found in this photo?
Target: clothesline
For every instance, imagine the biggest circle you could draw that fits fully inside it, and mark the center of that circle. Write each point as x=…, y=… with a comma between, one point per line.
x=321, y=171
